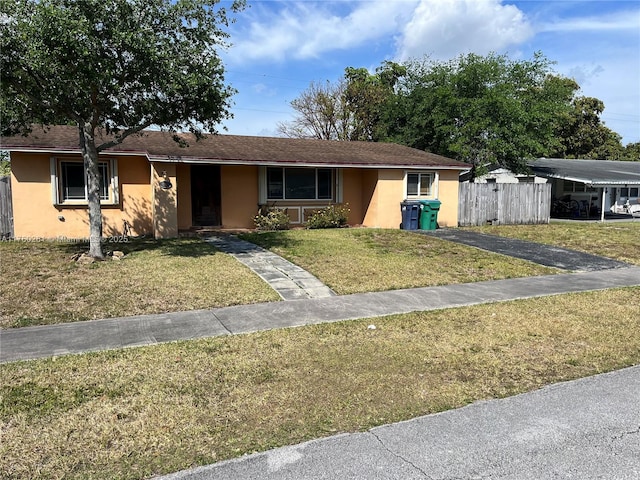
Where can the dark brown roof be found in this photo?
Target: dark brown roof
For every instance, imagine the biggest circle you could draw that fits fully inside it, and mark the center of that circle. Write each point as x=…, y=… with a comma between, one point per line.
x=233, y=149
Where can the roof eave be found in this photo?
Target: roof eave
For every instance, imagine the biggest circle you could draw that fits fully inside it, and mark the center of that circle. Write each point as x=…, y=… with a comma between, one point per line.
x=288, y=163
x=233, y=161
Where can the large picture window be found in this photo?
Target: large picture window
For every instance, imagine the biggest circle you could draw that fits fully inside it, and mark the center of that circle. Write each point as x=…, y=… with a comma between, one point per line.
x=69, y=181
x=420, y=184
x=299, y=183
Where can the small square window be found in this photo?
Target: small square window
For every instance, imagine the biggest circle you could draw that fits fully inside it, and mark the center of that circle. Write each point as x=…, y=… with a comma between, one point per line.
x=69, y=181
x=420, y=184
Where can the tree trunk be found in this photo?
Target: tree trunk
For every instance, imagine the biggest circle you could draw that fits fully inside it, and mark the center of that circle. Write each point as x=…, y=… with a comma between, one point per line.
x=90, y=157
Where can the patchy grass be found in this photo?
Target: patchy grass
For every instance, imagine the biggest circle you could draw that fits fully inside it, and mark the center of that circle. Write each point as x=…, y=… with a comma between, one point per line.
x=618, y=240
x=134, y=413
x=367, y=260
x=42, y=285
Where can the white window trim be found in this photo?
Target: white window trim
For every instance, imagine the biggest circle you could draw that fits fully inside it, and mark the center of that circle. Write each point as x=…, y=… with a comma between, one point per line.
x=434, y=185
x=56, y=190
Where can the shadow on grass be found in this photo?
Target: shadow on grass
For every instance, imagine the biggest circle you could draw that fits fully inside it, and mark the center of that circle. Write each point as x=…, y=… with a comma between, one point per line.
x=179, y=247
x=271, y=240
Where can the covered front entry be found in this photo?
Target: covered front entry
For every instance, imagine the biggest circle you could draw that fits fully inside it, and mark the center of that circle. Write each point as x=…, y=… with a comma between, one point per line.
x=205, y=195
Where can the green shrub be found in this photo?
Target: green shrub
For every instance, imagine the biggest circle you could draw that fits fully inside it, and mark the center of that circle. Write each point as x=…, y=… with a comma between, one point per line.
x=272, y=218
x=333, y=216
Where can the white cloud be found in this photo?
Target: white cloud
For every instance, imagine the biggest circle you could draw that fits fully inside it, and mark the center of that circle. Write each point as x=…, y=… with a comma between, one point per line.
x=447, y=28
x=616, y=22
x=304, y=30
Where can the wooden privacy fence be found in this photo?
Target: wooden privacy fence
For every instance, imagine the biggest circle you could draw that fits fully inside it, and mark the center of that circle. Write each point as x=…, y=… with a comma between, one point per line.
x=6, y=209
x=504, y=203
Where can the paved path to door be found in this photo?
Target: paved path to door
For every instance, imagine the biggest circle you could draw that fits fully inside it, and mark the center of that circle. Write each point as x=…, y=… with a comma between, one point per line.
x=289, y=280
x=541, y=254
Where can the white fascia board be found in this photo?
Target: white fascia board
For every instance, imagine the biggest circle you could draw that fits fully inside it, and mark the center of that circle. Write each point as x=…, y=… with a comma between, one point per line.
x=261, y=163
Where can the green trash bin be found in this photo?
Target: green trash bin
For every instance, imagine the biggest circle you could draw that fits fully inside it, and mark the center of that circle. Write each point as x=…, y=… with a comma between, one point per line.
x=429, y=214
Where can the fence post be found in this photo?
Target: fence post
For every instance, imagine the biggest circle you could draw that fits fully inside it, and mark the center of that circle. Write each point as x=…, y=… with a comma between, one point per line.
x=6, y=208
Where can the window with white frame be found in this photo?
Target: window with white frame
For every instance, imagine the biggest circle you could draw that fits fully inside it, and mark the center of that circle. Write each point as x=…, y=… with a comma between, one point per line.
x=299, y=183
x=69, y=181
x=420, y=184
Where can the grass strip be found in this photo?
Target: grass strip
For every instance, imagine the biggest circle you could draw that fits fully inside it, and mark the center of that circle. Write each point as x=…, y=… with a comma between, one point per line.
x=133, y=413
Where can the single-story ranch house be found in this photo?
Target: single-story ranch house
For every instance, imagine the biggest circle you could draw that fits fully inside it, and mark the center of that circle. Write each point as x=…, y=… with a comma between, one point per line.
x=153, y=185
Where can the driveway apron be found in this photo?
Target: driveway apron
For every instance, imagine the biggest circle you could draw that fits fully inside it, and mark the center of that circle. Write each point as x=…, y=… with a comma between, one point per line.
x=289, y=280
x=547, y=255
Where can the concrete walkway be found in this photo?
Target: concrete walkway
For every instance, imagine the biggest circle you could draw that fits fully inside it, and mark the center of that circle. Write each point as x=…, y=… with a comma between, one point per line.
x=289, y=280
x=50, y=340
x=586, y=429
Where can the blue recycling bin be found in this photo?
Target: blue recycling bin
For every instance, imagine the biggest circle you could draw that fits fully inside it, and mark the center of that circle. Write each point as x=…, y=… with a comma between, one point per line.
x=410, y=215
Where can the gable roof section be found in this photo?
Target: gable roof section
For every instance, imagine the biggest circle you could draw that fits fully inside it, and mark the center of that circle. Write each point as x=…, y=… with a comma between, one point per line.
x=590, y=172
x=234, y=149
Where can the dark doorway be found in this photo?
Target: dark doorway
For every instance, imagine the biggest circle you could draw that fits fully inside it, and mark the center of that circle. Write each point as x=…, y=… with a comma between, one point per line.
x=205, y=195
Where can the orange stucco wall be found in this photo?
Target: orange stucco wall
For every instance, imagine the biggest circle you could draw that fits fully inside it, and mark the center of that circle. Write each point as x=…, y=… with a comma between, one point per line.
x=382, y=193
x=239, y=195
x=183, y=175
x=448, y=194
x=373, y=196
x=369, y=198
x=36, y=216
x=383, y=190
x=164, y=201
x=352, y=181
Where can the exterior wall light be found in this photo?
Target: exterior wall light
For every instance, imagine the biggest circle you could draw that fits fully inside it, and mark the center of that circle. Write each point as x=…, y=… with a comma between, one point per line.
x=166, y=183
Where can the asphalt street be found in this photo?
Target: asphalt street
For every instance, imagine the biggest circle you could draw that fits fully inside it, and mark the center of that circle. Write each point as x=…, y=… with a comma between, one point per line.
x=585, y=429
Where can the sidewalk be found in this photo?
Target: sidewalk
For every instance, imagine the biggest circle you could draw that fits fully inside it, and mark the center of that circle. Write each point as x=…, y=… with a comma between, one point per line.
x=51, y=340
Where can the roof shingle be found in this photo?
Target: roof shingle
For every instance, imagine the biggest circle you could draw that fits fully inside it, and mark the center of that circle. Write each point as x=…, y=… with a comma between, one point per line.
x=234, y=149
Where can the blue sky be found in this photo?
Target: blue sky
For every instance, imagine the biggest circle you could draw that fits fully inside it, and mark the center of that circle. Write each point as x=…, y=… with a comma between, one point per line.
x=280, y=47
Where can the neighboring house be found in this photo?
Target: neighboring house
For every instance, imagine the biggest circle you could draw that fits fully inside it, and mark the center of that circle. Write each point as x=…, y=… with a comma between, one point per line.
x=497, y=174
x=601, y=185
x=152, y=185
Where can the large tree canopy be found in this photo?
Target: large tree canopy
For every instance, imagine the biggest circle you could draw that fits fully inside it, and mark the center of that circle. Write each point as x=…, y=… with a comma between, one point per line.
x=115, y=65
x=482, y=110
x=582, y=134
x=485, y=110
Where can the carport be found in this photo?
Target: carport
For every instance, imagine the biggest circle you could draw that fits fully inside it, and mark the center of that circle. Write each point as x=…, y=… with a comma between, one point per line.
x=612, y=185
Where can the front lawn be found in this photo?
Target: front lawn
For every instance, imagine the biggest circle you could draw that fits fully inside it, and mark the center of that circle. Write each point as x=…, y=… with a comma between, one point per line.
x=360, y=260
x=42, y=285
x=133, y=413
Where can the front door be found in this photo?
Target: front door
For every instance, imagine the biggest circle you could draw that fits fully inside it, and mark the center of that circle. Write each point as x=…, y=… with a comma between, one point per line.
x=205, y=195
